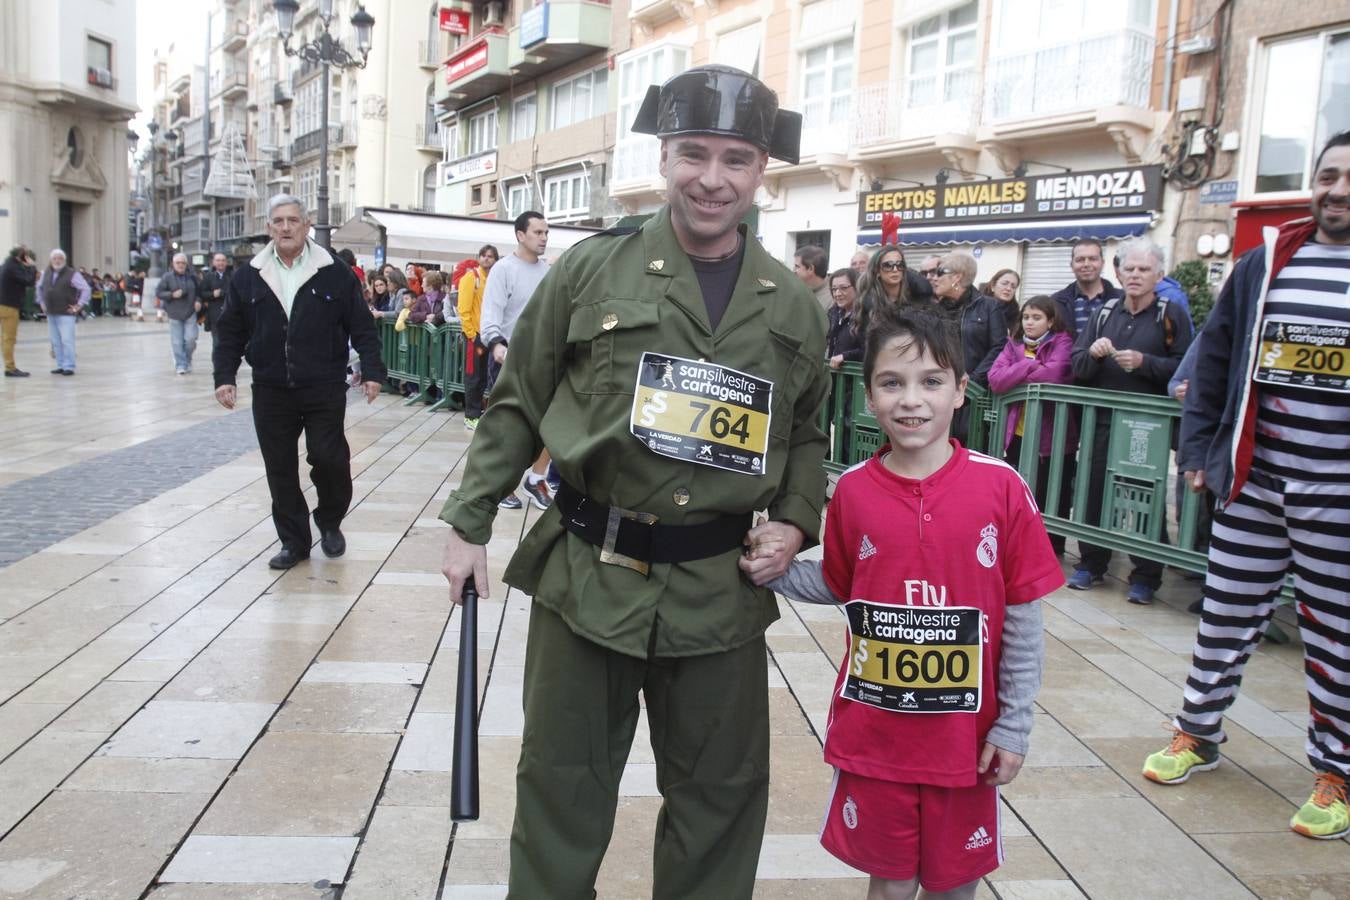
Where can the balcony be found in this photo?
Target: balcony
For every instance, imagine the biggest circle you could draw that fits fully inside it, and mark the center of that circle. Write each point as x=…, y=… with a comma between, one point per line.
x=236, y=35
x=282, y=159
x=475, y=71
x=430, y=138
x=556, y=33
x=1073, y=78
x=637, y=166
x=229, y=84
x=429, y=54
x=312, y=142
x=891, y=118
x=282, y=92
x=347, y=135
x=647, y=14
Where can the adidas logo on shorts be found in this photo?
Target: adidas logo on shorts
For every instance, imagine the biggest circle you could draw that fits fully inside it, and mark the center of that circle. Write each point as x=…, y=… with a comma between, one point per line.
x=866, y=548
x=979, y=839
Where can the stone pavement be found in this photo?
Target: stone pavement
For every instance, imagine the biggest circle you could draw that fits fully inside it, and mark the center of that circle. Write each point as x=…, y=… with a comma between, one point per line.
x=177, y=721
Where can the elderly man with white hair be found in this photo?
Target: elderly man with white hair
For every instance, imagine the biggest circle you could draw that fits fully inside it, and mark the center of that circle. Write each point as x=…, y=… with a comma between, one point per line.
x=61, y=293
x=179, y=293
x=1135, y=344
x=294, y=308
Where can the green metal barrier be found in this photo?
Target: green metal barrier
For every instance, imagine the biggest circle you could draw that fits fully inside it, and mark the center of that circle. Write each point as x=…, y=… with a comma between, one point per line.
x=30, y=309
x=407, y=356
x=115, y=302
x=447, y=366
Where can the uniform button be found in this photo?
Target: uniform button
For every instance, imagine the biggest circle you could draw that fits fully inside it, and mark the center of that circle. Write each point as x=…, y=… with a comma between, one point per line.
x=609, y=321
x=681, y=496
x=916, y=492
x=928, y=517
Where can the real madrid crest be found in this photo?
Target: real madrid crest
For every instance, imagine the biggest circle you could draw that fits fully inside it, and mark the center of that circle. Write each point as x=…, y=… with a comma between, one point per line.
x=987, y=551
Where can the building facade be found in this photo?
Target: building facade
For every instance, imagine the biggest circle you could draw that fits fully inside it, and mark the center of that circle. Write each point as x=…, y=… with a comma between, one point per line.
x=67, y=92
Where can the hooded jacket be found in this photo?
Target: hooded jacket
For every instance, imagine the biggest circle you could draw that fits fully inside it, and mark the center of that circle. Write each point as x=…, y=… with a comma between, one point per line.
x=310, y=345
x=1053, y=364
x=1218, y=423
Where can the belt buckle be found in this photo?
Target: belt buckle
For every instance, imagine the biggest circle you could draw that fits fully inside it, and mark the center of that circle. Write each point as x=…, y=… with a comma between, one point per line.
x=608, y=554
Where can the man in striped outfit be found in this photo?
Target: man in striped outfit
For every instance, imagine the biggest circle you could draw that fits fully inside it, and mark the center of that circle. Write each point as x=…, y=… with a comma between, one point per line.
x=1266, y=427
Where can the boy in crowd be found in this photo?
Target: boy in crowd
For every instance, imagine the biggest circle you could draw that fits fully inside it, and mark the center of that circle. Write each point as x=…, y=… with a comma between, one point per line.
x=939, y=557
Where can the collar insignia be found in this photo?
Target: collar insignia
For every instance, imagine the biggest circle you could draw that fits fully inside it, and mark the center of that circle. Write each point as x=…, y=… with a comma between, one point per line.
x=656, y=265
x=764, y=282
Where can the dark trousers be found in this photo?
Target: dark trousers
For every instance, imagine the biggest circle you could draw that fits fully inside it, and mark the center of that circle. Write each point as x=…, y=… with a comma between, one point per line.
x=1095, y=559
x=709, y=721
x=1041, y=488
x=280, y=414
x=475, y=382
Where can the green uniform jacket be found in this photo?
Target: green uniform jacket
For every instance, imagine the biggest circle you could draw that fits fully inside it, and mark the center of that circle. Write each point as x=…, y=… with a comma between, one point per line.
x=568, y=385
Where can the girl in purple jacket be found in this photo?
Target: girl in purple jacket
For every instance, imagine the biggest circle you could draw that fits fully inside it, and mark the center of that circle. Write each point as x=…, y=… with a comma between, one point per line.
x=1039, y=351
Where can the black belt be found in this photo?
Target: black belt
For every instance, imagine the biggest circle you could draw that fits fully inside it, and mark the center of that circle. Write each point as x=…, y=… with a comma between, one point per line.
x=636, y=539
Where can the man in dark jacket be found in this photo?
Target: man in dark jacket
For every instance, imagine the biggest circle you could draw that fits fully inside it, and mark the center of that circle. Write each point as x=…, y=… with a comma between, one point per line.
x=179, y=294
x=1081, y=298
x=291, y=312
x=17, y=275
x=215, y=283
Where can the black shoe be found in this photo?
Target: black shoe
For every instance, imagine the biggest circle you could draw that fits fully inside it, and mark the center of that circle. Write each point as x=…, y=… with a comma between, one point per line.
x=58, y=371
x=15, y=373
x=332, y=543
x=67, y=371
x=286, y=559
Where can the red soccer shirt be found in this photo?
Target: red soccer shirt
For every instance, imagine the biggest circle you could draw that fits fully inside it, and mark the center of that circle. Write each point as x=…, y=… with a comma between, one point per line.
x=969, y=535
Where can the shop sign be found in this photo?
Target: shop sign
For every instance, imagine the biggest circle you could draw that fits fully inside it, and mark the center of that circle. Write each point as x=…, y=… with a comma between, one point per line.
x=469, y=167
x=455, y=21
x=468, y=60
x=1102, y=192
x=533, y=26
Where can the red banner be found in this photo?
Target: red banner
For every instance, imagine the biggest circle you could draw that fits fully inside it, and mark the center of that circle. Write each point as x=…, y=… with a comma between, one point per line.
x=455, y=21
x=468, y=60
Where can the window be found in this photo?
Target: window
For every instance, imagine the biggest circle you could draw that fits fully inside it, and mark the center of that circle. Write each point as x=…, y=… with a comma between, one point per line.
x=1306, y=98
x=567, y=196
x=637, y=156
x=580, y=98
x=523, y=115
x=450, y=140
x=483, y=132
x=230, y=224
x=308, y=183
x=740, y=48
x=827, y=84
x=942, y=53
x=517, y=198
x=476, y=195
x=98, y=59
x=429, y=187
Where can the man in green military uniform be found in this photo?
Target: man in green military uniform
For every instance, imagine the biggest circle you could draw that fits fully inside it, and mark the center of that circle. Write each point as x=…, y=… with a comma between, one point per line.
x=675, y=373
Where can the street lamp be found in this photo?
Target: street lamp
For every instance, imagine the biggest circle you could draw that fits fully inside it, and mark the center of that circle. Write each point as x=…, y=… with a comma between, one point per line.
x=157, y=143
x=326, y=51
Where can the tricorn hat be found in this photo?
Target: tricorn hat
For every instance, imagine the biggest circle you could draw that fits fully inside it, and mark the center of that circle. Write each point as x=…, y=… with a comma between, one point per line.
x=723, y=101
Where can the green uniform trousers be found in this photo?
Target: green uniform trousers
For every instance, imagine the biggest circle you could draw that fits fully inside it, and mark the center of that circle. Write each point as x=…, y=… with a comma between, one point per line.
x=709, y=720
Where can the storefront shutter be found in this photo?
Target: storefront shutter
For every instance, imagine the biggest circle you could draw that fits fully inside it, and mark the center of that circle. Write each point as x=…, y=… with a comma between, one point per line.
x=1045, y=269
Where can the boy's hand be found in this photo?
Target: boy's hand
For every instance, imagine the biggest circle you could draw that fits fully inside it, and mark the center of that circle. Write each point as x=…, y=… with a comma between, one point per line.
x=771, y=547
x=1003, y=770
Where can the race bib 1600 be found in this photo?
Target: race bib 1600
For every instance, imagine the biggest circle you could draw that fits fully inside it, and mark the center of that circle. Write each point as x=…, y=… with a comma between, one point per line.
x=703, y=413
x=923, y=659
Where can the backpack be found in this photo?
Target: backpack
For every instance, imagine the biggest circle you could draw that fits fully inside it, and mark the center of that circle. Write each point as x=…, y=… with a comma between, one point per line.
x=1169, y=329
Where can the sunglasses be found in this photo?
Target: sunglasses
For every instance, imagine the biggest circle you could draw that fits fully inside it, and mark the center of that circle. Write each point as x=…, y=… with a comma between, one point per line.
x=892, y=266
x=938, y=273
x=928, y=273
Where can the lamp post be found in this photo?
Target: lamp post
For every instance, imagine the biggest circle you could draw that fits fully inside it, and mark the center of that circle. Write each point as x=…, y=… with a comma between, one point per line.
x=158, y=143
x=326, y=51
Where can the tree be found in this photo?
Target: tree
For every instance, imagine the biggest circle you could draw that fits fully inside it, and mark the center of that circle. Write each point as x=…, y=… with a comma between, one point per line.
x=1193, y=276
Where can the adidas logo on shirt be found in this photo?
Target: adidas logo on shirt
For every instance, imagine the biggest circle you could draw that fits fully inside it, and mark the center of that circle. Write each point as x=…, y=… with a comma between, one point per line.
x=979, y=839
x=866, y=548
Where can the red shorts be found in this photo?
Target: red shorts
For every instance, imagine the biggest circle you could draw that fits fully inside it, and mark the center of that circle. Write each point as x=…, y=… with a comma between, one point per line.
x=946, y=837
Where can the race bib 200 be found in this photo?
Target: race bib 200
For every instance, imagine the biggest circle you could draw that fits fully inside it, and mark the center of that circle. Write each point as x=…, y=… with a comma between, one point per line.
x=702, y=413
x=924, y=659
x=1305, y=355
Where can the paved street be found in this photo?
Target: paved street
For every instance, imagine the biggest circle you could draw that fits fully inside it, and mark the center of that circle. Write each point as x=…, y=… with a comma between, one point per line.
x=180, y=722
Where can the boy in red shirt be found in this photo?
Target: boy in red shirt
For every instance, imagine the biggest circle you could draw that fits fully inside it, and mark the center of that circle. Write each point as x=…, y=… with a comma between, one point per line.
x=939, y=557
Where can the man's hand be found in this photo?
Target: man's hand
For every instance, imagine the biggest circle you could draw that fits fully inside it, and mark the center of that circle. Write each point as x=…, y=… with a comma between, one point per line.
x=499, y=353
x=226, y=395
x=836, y=361
x=176, y=294
x=197, y=306
x=372, y=389
x=1129, y=360
x=1102, y=348
x=772, y=547
x=1002, y=771
x=462, y=560
x=1196, y=480
x=216, y=292
x=1181, y=390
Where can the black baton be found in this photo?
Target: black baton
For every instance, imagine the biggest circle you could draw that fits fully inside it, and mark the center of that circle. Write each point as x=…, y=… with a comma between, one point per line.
x=464, y=768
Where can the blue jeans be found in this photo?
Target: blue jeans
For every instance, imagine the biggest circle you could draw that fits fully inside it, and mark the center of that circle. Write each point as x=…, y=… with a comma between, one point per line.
x=61, y=330
x=183, y=340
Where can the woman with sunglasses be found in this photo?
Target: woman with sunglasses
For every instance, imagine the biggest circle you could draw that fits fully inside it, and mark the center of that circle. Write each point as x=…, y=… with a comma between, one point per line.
x=887, y=285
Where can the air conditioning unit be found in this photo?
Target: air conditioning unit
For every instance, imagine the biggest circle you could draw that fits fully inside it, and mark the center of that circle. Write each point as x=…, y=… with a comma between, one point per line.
x=494, y=13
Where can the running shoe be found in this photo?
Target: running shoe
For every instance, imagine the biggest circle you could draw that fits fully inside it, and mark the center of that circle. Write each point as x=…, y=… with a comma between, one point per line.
x=1082, y=580
x=1186, y=754
x=511, y=501
x=1325, y=815
x=539, y=493
x=470, y=424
